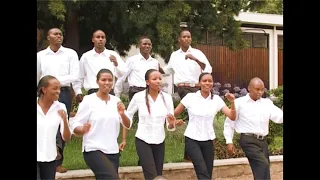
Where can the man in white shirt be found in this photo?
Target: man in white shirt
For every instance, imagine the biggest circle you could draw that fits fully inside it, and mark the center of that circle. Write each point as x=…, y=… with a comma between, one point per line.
x=252, y=122
x=138, y=65
x=62, y=63
x=92, y=61
x=187, y=64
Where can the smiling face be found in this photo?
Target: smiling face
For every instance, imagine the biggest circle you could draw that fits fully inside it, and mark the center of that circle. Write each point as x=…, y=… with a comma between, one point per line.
x=145, y=46
x=51, y=89
x=206, y=83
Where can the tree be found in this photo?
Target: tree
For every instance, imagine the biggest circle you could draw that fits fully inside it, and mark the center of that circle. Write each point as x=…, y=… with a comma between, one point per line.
x=125, y=21
x=272, y=7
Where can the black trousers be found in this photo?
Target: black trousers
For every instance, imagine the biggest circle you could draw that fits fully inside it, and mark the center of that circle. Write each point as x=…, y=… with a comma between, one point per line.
x=151, y=158
x=258, y=156
x=65, y=98
x=201, y=154
x=183, y=91
x=104, y=166
x=133, y=90
x=46, y=170
x=90, y=91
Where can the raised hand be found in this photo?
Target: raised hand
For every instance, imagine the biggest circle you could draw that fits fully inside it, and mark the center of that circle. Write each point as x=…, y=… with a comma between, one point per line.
x=121, y=107
x=63, y=114
x=179, y=122
x=114, y=60
x=171, y=119
x=86, y=127
x=190, y=56
x=230, y=97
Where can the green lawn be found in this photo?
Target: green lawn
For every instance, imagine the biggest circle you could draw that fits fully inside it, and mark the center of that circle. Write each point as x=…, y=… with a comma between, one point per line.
x=174, y=147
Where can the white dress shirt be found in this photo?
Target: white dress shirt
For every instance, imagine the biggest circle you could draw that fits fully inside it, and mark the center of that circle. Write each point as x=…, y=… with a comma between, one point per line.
x=137, y=66
x=186, y=70
x=201, y=113
x=63, y=64
x=252, y=117
x=118, y=87
x=92, y=62
x=105, y=123
x=47, y=127
x=151, y=126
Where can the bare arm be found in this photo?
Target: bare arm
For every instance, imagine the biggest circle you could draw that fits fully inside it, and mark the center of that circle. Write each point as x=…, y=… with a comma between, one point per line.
x=201, y=64
x=161, y=70
x=126, y=122
x=178, y=109
x=124, y=134
x=231, y=113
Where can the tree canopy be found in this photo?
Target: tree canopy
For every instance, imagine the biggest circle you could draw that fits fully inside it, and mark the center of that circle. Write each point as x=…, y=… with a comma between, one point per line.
x=125, y=21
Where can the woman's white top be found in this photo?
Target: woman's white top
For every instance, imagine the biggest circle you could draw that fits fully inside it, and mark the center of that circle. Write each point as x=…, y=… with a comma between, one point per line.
x=151, y=126
x=201, y=112
x=105, y=123
x=47, y=127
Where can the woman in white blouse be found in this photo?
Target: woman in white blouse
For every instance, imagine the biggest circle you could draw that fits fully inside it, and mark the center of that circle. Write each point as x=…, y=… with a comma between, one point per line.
x=202, y=107
x=98, y=120
x=50, y=114
x=155, y=109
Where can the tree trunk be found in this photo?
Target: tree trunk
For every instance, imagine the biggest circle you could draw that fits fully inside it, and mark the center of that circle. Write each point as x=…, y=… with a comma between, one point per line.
x=72, y=30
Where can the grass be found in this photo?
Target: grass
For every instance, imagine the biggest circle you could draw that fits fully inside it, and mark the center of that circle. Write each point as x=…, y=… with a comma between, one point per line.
x=174, y=147
x=174, y=150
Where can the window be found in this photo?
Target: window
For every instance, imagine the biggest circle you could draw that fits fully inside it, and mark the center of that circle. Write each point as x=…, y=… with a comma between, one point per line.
x=248, y=38
x=260, y=40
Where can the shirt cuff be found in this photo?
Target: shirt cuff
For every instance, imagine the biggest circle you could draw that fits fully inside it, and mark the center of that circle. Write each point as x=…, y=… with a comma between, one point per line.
x=229, y=141
x=78, y=91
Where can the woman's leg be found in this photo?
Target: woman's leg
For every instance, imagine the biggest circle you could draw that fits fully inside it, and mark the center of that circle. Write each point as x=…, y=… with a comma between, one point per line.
x=208, y=155
x=47, y=170
x=195, y=154
x=146, y=158
x=100, y=165
x=158, y=154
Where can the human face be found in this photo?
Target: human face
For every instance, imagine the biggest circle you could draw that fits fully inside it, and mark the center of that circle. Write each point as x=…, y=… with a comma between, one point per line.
x=105, y=82
x=145, y=46
x=256, y=90
x=99, y=39
x=206, y=83
x=55, y=36
x=154, y=81
x=185, y=39
x=52, y=91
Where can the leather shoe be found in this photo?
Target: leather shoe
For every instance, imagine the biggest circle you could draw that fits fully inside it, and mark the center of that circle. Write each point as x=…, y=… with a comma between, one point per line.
x=61, y=169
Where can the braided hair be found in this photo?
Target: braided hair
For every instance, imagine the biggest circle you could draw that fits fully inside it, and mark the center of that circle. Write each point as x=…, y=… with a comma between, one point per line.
x=146, y=77
x=200, y=77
